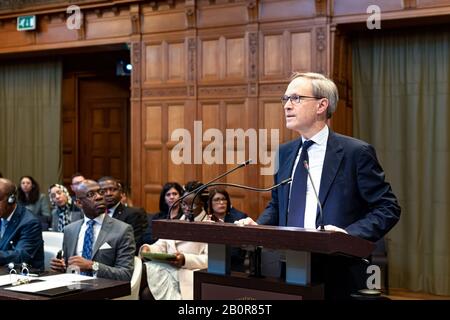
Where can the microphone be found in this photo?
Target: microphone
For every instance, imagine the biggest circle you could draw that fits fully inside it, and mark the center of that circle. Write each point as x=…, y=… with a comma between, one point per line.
x=288, y=180
x=321, y=226
x=202, y=187
x=240, y=186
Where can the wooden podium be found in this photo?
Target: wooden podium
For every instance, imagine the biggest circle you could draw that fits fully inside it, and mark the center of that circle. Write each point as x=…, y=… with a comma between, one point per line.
x=297, y=243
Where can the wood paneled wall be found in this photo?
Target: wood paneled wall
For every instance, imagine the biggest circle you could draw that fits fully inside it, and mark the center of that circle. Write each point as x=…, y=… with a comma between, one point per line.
x=222, y=63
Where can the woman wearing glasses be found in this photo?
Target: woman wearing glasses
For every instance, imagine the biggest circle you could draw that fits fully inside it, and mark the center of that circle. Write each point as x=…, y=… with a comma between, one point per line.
x=220, y=210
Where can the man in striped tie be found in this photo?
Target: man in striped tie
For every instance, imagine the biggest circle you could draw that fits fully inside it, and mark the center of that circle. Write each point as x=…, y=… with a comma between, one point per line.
x=98, y=244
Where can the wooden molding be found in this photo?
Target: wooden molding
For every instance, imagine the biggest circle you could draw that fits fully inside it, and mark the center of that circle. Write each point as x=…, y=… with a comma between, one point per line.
x=321, y=7
x=240, y=90
x=136, y=63
x=98, y=13
x=192, y=53
x=409, y=4
x=253, y=56
x=164, y=92
x=135, y=19
x=272, y=89
x=189, y=10
x=252, y=9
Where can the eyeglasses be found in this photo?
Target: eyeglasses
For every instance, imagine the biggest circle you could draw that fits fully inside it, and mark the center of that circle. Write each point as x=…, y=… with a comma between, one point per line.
x=217, y=200
x=91, y=194
x=296, y=99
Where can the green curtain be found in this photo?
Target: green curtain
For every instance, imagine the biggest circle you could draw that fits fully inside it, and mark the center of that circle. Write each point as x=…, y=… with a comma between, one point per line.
x=30, y=121
x=401, y=92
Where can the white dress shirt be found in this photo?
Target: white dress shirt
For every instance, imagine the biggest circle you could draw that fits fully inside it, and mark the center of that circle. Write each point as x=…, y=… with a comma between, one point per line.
x=316, y=155
x=97, y=227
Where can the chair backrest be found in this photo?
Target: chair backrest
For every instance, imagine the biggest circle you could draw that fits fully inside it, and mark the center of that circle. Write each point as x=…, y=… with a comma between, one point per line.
x=52, y=244
x=135, y=281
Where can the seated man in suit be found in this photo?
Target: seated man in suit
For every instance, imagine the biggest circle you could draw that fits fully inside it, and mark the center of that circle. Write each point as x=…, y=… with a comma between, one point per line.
x=136, y=217
x=21, y=232
x=97, y=243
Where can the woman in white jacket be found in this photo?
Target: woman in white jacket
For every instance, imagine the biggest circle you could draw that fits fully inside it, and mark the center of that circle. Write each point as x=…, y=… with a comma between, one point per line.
x=173, y=279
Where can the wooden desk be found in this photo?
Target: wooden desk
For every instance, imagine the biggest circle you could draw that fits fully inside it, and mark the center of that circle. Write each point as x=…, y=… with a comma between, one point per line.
x=95, y=289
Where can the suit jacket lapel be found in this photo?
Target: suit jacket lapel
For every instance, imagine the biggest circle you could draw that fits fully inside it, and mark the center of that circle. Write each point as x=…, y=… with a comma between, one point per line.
x=284, y=173
x=72, y=245
x=105, y=229
x=331, y=164
x=118, y=211
x=12, y=225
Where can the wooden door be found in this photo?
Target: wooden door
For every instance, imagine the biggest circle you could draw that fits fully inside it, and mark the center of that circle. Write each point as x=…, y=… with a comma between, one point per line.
x=103, y=134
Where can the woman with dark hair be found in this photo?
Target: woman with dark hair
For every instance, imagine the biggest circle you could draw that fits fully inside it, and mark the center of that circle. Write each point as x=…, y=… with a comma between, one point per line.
x=219, y=209
x=170, y=193
x=29, y=196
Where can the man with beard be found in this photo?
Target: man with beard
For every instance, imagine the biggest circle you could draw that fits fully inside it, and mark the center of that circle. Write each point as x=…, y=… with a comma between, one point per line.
x=97, y=244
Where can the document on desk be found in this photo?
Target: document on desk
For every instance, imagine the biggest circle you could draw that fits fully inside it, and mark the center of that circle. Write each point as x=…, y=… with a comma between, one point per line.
x=50, y=282
x=9, y=279
x=72, y=277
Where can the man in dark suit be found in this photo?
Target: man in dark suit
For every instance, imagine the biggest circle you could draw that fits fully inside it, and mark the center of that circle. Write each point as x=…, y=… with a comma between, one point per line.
x=136, y=217
x=21, y=232
x=351, y=184
x=110, y=251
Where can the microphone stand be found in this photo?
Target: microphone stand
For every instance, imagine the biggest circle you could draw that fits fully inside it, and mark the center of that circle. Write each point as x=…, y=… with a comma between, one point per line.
x=257, y=252
x=321, y=225
x=200, y=188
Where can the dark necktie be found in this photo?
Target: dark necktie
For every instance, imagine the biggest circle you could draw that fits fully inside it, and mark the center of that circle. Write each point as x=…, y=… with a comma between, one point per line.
x=88, y=240
x=297, y=201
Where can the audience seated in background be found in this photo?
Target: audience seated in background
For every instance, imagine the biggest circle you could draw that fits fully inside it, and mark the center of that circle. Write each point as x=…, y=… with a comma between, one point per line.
x=64, y=209
x=98, y=243
x=219, y=208
x=21, y=231
x=76, y=179
x=136, y=217
x=174, y=279
x=29, y=195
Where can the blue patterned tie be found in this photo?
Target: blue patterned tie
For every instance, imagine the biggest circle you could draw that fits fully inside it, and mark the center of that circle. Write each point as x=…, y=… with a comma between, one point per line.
x=88, y=240
x=297, y=201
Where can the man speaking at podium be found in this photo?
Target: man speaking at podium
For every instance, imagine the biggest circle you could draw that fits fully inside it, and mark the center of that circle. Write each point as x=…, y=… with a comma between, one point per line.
x=349, y=180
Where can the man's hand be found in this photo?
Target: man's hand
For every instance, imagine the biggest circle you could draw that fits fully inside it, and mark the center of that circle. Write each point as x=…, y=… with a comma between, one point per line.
x=330, y=227
x=246, y=222
x=58, y=265
x=82, y=263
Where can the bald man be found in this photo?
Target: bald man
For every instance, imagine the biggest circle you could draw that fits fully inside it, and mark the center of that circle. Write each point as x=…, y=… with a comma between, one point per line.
x=21, y=232
x=111, y=254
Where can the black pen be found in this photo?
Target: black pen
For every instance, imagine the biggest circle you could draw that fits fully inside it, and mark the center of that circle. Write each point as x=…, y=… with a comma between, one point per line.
x=12, y=245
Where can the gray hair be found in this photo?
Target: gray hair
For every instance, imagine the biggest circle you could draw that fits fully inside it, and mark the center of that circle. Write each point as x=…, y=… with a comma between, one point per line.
x=322, y=87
